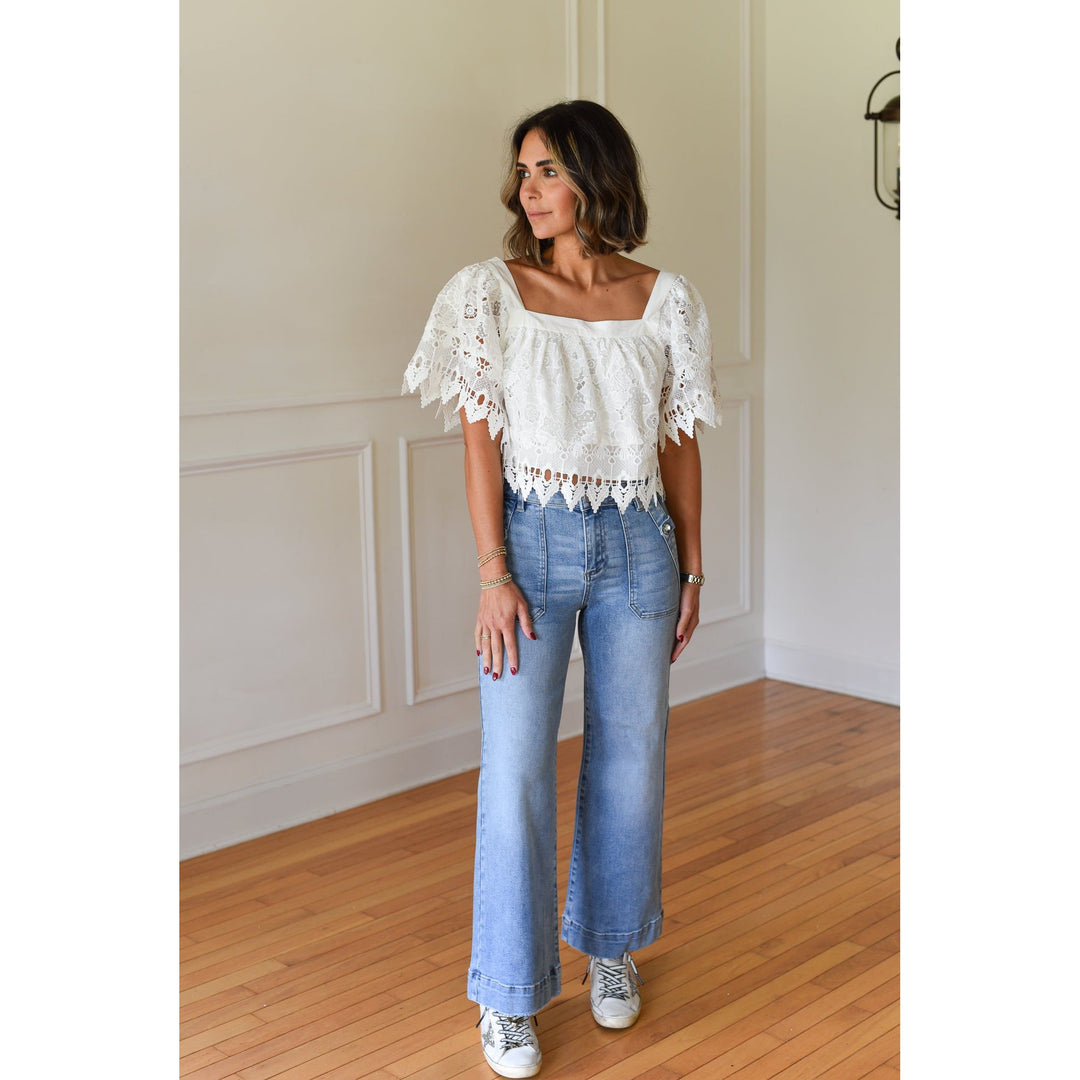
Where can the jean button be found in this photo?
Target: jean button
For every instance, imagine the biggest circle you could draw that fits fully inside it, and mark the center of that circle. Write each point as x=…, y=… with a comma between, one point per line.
x=666, y=528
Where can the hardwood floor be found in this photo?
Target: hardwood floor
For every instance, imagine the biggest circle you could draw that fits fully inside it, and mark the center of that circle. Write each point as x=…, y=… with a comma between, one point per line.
x=338, y=949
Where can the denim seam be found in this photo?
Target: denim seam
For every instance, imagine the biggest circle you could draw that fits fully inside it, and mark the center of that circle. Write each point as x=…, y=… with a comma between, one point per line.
x=585, y=582
x=536, y=995
x=478, y=935
x=583, y=783
x=543, y=562
x=512, y=986
x=520, y=506
x=659, y=869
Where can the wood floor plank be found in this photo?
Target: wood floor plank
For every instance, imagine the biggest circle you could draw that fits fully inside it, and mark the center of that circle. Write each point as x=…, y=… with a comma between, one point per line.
x=882, y=1072
x=190, y=1062
x=337, y=950
x=229, y=980
x=833, y=1041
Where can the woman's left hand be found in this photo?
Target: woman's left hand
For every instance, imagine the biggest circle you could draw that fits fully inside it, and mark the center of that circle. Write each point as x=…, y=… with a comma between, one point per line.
x=688, y=617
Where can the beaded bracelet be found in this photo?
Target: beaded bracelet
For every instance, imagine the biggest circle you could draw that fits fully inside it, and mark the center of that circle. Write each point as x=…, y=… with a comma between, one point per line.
x=496, y=581
x=481, y=560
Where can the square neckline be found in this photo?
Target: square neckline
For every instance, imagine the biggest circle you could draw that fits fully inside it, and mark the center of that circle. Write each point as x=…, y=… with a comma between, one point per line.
x=656, y=295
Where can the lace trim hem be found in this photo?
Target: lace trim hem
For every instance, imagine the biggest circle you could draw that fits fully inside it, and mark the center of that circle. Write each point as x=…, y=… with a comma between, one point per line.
x=530, y=479
x=684, y=415
x=453, y=395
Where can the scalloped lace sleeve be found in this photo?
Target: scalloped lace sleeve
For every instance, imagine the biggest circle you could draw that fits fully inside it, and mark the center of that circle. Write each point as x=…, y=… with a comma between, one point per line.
x=459, y=361
x=689, y=391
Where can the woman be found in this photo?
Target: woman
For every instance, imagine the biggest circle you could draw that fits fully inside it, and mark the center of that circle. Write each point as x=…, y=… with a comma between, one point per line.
x=578, y=376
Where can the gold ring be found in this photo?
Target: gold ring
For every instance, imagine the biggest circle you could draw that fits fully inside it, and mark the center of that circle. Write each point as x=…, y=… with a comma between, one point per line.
x=483, y=636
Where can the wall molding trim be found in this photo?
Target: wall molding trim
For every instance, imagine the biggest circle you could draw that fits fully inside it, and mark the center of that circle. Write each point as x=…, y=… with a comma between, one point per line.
x=363, y=452
x=840, y=673
x=573, y=46
x=743, y=605
x=414, y=692
x=572, y=14
x=227, y=406
x=601, y=52
x=745, y=184
x=233, y=744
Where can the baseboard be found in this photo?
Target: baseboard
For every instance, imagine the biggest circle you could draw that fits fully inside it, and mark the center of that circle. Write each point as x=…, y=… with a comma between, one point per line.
x=832, y=671
x=695, y=677
x=293, y=800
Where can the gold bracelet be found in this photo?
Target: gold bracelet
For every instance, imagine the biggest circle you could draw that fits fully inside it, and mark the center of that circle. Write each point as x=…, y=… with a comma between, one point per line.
x=496, y=581
x=488, y=556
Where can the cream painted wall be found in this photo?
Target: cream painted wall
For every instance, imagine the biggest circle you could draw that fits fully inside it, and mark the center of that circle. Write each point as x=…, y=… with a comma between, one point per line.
x=340, y=160
x=831, y=353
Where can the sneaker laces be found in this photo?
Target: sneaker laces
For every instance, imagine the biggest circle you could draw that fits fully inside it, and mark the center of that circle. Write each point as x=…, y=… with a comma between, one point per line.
x=513, y=1030
x=614, y=978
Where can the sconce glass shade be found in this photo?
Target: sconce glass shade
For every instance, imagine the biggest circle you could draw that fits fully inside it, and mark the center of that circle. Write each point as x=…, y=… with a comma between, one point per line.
x=886, y=146
x=890, y=138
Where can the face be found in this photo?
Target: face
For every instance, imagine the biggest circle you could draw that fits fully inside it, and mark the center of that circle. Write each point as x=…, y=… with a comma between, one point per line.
x=549, y=202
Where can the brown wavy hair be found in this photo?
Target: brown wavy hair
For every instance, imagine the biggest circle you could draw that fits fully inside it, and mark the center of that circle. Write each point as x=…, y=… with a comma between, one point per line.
x=599, y=162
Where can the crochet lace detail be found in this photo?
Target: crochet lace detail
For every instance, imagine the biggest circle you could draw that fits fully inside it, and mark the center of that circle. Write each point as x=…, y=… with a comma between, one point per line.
x=582, y=407
x=458, y=362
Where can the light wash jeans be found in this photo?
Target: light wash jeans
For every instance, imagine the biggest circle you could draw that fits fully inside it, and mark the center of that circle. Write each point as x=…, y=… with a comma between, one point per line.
x=616, y=576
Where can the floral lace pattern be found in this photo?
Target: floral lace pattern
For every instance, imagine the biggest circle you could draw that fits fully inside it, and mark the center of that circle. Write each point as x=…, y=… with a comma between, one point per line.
x=459, y=360
x=583, y=406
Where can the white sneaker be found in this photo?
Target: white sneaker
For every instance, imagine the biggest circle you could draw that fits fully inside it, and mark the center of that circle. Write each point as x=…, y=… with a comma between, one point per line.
x=613, y=992
x=509, y=1042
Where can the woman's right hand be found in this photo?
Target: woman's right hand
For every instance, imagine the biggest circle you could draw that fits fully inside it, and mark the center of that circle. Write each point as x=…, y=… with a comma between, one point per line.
x=501, y=609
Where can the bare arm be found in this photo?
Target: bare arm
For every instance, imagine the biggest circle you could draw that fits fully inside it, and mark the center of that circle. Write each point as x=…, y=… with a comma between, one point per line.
x=503, y=606
x=680, y=469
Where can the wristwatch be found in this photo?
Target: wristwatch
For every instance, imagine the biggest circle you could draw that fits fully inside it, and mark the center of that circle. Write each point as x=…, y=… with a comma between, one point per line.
x=693, y=579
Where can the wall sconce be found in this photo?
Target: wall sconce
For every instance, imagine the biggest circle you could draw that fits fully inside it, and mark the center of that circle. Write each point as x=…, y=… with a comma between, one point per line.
x=889, y=119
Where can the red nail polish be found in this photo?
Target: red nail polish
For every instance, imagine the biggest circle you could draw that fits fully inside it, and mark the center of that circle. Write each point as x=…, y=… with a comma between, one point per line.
x=477, y=652
x=680, y=637
x=486, y=670
x=513, y=671
x=532, y=635
x=495, y=677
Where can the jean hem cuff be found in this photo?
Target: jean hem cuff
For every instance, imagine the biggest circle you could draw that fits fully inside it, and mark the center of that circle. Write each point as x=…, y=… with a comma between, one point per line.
x=514, y=1000
x=615, y=943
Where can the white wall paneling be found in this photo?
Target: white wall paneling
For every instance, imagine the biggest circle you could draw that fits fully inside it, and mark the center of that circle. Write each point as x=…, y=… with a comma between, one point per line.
x=725, y=515
x=440, y=600
x=280, y=627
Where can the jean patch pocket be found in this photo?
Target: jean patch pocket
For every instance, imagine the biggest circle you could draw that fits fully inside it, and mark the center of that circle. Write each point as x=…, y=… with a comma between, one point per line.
x=652, y=562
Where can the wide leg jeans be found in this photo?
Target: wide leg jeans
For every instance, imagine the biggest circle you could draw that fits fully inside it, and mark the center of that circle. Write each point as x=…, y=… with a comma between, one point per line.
x=615, y=576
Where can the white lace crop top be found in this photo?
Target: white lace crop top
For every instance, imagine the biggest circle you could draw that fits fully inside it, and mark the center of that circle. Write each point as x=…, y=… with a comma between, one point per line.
x=582, y=406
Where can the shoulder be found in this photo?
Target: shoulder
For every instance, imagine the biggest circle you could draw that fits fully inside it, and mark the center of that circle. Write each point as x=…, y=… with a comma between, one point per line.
x=683, y=288
x=683, y=298
x=632, y=270
x=484, y=275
